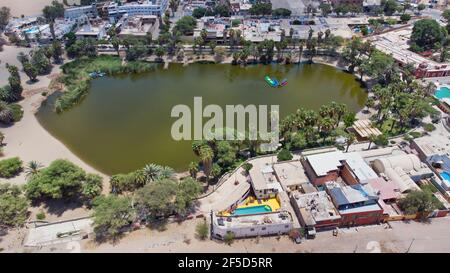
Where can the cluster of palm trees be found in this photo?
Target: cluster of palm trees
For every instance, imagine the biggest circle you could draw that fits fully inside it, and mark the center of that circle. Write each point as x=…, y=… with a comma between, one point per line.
x=397, y=96
x=139, y=178
x=266, y=50
x=402, y=102
x=305, y=126
x=218, y=156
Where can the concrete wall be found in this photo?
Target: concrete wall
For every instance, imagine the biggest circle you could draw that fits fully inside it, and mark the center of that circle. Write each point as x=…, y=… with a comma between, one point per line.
x=253, y=231
x=362, y=218
x=348, y=176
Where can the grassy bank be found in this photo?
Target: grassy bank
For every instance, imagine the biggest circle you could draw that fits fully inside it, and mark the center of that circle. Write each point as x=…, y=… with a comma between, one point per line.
x=77, y=80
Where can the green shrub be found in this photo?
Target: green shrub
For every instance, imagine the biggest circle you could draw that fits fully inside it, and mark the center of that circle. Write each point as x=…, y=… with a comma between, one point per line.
x=17, y=112
x=416, y=134
x=247, y=166
x=40, y=215
x=10, y=167
x=228, y=238
x=429, y=127
x=284, y=155
x=202, y=230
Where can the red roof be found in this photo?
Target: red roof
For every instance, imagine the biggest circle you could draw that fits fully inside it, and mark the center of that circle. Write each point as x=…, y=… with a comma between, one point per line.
x=385, y=189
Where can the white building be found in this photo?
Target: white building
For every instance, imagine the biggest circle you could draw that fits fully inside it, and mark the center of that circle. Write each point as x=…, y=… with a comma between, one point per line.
x=263, y=179
x=276, y=223
x=154, y=7
x=76, y=12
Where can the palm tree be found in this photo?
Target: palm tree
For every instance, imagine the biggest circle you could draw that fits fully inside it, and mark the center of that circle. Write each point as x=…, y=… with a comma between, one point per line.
x=6, y=115
x=370, y=103
x=351, y=138
x=193, y=169
x=32, y=168
x=311, y=118
x=166, y=173
x=173, y=5
x=340, y=111
x=311, y=46
x=152, y=171
x=140, y=178
x=326, y=125
x=232, y=36
x=206, y=156
x=326, y=111
x=372, y=139
x=300, y=51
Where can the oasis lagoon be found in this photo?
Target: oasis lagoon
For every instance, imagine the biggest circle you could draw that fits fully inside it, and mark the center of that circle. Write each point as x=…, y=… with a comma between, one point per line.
x=125, y=122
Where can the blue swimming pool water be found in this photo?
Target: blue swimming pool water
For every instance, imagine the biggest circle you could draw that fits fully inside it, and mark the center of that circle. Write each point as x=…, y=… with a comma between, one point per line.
x=446, y=177
x=252, y=210
x=32, y=30
x=443, y=92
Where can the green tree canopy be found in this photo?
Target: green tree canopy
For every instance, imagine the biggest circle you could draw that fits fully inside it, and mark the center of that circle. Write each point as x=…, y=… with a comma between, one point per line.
x=10, y=167
x=13, y=206
x=5, y=15
x=166, y=197
x=61, y=179
x=284, y=155
x=185, y=25
x=55, y=10
x=110, y=215
x=281, y=12
x=199, y=12
x=446, y=14
x=417, y=201
x=261, y=8
x=427, y=34
x=389, y=6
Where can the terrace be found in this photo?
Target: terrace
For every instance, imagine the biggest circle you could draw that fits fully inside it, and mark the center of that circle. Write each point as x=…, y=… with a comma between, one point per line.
x=315, y=209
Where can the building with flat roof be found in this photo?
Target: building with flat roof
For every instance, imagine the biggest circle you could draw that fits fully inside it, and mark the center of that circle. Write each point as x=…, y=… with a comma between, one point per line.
x=428, y=146
x=76, y=12
x=94, y=31
x=435, y=151
x=257, y=31
x=324, y=167
x=357, y=204
x=137, y=25
x=315, y=210
x=276, y=223
x=263, y=179
x=290, y=174
x=147, y=7
x=396, y=44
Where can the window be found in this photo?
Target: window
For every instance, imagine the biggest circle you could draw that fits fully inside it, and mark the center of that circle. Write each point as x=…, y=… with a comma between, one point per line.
x=252, y=229
x=263, y=228
x=286, y=226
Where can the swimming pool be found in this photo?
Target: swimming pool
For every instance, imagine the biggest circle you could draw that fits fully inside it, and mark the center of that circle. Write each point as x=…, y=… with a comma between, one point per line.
x=32, y=30
x=446, y=177
x=252, y=210
x=443, y=92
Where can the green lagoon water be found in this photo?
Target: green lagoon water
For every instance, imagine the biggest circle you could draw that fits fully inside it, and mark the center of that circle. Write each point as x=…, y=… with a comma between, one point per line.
x=124, y=122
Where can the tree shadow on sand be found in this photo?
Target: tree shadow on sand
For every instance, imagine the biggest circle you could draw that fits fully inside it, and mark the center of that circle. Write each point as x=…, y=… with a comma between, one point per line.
x=59, y=206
